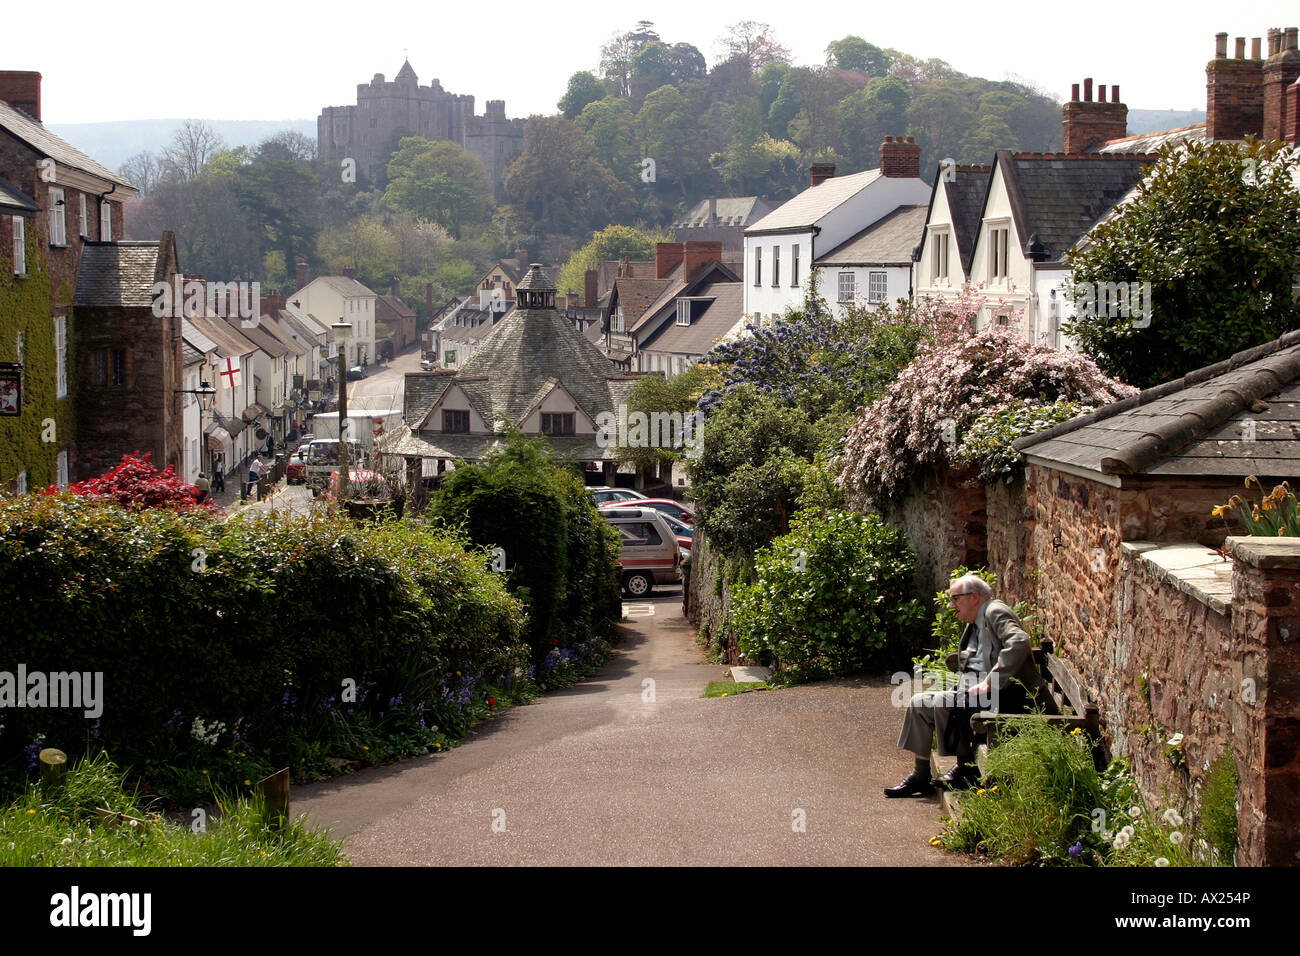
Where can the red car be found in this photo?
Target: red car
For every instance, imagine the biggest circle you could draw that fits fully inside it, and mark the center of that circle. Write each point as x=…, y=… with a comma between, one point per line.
x=666, y=505
x=296, y=472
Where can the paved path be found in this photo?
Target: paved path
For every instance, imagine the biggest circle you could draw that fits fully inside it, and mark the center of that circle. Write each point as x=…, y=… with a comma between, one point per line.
x=597, y=774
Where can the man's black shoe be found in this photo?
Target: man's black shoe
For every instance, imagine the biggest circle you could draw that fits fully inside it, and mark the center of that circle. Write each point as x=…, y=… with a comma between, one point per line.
x=960, y=777
x=913, y=785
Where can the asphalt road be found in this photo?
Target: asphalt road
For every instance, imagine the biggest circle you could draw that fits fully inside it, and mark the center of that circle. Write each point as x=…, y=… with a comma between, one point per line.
x=619, y=771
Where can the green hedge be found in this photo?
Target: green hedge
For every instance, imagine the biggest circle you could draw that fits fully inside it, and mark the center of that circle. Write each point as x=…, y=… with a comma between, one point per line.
x=257, y=624
x=561, y=556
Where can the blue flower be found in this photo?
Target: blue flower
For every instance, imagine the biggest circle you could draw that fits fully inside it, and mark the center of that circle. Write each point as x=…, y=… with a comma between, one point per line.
x=1076, y=850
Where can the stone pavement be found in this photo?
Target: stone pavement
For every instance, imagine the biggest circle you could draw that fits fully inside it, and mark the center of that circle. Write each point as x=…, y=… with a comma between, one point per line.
x=601, y=774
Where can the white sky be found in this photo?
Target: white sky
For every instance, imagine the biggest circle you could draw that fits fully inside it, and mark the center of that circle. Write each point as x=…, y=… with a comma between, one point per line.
x=270, y=60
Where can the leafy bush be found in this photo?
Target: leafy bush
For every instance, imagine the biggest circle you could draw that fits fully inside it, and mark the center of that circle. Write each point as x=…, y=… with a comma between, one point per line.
x=229, y=648
x=561, y=556
x=987, y=445
x=135, y=483
x=828, y=596
x=945, y=390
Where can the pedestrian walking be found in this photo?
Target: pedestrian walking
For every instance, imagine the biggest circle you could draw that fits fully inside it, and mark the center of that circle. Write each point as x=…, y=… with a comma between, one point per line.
x=219, y=473
x=254, y=475
x=204, y=487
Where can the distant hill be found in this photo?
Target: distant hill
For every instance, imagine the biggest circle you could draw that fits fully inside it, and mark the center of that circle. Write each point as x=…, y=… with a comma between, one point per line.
x=114, y=143
x=1155, y=121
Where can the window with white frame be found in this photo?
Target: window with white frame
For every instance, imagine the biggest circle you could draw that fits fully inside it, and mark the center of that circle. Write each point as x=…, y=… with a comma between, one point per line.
x=848, y=286
x=683, y=311
x=617, y=324
x=877, y=287
x=794, y=264
x=999, y=239
x=776, y=265
x=61, y=466
x=20, y=246
x=58, y=218
x=85, y=217
x=758, y=267
x=939, y=255
x=105, y=222
x=60, y=356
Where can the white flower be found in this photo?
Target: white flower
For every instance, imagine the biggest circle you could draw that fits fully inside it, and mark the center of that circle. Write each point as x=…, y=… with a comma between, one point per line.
x=1129, y=832
x=1176, y=838
x=1161, y=861
x=1135, y=811
x=66, y=841
x=1172, y=817
x=1121, y=840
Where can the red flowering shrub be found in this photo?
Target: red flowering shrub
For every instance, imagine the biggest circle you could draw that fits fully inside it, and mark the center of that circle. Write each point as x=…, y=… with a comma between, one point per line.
x=136, y=484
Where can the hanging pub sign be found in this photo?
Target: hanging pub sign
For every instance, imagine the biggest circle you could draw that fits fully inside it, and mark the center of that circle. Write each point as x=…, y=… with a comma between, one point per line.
x=11, y=389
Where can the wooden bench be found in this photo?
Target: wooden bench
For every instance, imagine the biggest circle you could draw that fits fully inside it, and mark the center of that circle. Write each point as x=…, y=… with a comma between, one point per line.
x=1078, y=709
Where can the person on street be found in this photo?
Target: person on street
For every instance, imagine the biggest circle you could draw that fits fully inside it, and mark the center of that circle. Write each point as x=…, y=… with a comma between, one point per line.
x=204, y=488
x=254, y=476
x=219, y=473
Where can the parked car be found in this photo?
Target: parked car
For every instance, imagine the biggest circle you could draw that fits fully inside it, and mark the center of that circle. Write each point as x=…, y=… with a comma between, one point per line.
x=296, y=471
x=680, y=529
x=323, y=459
x=604, y=494
x=426, y=365
x=649, y=554
x=356, y=372
x=666, y=505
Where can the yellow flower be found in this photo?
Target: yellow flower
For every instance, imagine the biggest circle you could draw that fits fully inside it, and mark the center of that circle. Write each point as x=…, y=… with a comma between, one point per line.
x=204, y=772
x=1217, y=512
x=981, y=791
x=724, y=694
x=935, y=841
x=1076, y=731
x=992, y=788
x=248, y=783
x=30, y=812
x=365, y=748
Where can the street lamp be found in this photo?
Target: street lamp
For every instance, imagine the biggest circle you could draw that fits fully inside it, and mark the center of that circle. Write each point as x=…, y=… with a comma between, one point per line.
x=341, y=330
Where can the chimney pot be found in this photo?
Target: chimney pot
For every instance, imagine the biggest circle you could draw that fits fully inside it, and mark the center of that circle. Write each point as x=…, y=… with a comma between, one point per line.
x=1240, y=48
x=1074, y=92
x=911, y=140
x=818, y=173
x=1101, y=92
x=1220, y=46
x=1087, y=89
x=1114, y=93
x=1274, y=40
x=1254, y=49
x=1291, y=36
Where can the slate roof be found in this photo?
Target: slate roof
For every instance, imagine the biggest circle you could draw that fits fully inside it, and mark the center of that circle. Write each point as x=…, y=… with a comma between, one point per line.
x=1193, y=426
x=189, y=354
x=888, y=241
x=23, y=127
x=260, y=337
x=14, y=199
x=422, y=391
x=678, y=283
x=404, y=441
x=731, y=211
x=707, y=327
x=636, y=296
x=1058, y=197
x=965, y=193
x=229, y=342
x=196, y=338
x=805, y=209
x=344, y=286
x=117, y=274
x=609, y=272
x=396, y=305
x=516, y=268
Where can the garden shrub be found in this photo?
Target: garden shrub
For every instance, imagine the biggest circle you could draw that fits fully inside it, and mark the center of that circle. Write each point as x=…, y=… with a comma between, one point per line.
x=828, y=597
x=987, y=445
x=227, y=642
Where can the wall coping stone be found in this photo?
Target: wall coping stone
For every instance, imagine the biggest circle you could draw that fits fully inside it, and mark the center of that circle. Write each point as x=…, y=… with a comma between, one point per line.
x=1264, y=552
x=1192, y=568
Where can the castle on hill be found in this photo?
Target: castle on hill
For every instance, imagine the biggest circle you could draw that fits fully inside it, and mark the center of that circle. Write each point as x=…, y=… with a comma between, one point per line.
x=364, y=132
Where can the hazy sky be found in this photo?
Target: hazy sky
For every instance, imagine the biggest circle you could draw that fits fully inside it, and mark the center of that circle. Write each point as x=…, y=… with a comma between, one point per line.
x=270, y=60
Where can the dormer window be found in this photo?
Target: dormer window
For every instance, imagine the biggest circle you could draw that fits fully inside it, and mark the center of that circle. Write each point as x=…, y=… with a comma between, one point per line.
x=557, y=423
x=454, y=421
x=939, y=256
x=683, y=311
x=999, y=242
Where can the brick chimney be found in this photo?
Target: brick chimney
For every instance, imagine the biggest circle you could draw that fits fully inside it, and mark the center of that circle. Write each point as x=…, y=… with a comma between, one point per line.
x=589, y=296
x=1085, y=122
x=1281, y=70
x=900, y=159
x=349, y=272
x=697, y=255
x=272, y=302
x=21, y=89
x=1234, y=99
x=818, y=173
x=522, y=255
x=397, y=288
x=428, y=297
x=713, y=210
x=300, y=273
x=667, y=255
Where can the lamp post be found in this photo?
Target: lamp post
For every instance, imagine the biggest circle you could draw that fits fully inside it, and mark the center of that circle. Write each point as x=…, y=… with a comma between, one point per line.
x=341, y=330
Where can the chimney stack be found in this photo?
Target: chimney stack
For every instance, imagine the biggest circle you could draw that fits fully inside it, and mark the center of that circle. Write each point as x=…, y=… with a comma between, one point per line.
x=589, y=296
x=271, y=303
x=522, y=255
x=713, y=210
x=428, y=297
x=818, y=173
x=1086, y=123
x=300, y=272
x=1234, y=100
x=349, y=272
x=397, y=287
x=698, y=255
x=21, y=89
x=900, y=159
x=1281, y=71
x=667, y=255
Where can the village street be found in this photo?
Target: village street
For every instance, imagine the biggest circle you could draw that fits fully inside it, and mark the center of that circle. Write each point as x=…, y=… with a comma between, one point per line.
x=635, y=767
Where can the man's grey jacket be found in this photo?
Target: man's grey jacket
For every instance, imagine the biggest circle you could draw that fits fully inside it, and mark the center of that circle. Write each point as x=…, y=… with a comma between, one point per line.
x=1013, y=653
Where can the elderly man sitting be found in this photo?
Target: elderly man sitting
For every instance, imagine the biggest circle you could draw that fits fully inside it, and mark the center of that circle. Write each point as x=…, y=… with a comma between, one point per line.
x=997, y=673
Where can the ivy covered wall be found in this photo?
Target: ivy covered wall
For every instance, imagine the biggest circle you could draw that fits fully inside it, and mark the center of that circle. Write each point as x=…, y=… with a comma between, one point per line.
x=32, y=441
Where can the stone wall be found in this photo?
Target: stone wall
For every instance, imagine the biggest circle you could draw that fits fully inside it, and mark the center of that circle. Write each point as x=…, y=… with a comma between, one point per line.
x=708, y=600
x=944, y=518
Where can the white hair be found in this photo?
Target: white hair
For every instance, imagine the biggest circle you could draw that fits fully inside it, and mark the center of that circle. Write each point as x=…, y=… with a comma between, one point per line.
x=972, y=582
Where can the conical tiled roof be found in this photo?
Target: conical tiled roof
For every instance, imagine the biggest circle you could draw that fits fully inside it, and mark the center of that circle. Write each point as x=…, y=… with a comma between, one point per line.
x=528, y=348
x=406, y=73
